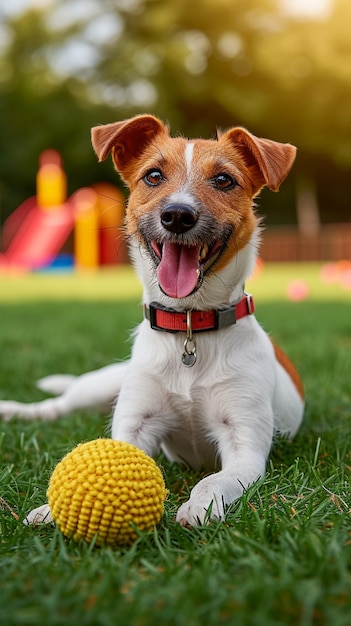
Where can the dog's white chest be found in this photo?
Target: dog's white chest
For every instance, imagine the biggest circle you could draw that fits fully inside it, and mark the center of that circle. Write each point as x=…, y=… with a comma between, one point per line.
x=190, y=439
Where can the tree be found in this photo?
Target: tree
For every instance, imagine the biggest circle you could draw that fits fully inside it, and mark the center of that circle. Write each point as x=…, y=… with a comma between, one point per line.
x=41, y=110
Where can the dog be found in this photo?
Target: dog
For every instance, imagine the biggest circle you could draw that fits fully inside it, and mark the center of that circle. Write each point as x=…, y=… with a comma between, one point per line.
x=204, y=382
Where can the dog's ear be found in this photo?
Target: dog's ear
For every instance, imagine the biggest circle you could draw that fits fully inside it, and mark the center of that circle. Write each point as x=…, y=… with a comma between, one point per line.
x=126, y=140
x=269, y=161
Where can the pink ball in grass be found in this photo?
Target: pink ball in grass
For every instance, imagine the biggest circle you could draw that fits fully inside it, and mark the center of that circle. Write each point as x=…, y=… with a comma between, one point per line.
x=297, y=290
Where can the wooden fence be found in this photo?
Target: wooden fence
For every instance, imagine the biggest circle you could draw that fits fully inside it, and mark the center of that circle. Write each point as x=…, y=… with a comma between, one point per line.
x=332, y=242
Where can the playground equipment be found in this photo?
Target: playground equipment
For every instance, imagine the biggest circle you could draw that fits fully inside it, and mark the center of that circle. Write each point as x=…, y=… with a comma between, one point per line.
x=35, y=233
x=86, y=244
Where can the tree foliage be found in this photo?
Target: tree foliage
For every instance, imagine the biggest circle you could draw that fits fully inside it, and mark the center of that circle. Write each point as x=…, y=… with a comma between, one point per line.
x=197, y=65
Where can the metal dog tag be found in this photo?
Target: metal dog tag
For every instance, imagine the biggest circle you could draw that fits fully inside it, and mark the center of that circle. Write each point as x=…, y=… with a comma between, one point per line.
x=189, y=354
x=189, y=359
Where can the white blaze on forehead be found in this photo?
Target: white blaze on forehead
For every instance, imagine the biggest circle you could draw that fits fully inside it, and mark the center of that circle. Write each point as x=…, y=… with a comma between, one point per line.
x=189, y=150
x=183, y=195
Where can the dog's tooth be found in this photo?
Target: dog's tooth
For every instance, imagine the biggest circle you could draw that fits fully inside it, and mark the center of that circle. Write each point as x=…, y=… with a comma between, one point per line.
x=203, y=252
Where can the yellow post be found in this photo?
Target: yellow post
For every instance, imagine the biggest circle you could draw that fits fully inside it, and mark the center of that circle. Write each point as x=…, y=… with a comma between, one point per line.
x=51, y=181
x=86, y=232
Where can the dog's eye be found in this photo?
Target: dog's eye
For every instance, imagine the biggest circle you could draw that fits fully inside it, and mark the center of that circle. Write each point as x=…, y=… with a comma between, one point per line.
x=153, y=178
x=223, y=181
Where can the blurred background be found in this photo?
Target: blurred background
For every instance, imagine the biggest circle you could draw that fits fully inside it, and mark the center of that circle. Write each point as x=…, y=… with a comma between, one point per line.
x=282, y=68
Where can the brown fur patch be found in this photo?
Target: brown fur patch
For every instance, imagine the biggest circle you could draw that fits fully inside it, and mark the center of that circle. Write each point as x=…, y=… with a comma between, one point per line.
x=289, y=367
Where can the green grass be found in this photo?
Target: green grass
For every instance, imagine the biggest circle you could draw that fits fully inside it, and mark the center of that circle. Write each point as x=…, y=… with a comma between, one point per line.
x=283, y=554
x=122, y=284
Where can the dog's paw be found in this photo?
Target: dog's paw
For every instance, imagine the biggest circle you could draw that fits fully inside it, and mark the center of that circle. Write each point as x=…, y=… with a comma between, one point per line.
x=197, y=513
x=207, y=502
x=10, y=409
x=47, y=410
x=41, y=515
x=55, y=384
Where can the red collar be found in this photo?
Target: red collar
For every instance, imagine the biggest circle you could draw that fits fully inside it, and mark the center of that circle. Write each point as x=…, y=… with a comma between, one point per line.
x=162, y=318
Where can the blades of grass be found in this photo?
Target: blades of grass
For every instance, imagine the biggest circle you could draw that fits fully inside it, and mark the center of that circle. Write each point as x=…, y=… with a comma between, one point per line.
x=316, y=453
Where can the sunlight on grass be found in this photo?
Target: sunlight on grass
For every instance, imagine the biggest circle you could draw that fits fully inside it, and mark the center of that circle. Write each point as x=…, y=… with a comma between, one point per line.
x=105, y=284
x=273, y=282
x=276, y=281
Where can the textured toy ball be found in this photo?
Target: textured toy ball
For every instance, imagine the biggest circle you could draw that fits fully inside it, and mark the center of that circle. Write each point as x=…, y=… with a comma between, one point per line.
x=104, y=487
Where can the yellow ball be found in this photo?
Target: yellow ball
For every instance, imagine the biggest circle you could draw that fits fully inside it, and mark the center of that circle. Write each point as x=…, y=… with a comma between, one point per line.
x=101, y=488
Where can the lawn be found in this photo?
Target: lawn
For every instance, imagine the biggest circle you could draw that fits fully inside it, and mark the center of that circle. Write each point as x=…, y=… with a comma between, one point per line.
x=283, y=554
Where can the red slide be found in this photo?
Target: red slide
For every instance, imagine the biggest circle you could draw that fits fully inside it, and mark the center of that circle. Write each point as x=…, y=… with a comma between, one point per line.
x=39, y=236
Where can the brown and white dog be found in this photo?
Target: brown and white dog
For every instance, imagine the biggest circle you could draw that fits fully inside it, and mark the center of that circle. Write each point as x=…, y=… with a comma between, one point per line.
x=204, y=382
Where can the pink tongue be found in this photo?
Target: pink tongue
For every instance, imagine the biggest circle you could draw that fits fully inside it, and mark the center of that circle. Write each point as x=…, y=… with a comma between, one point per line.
x=178, y=271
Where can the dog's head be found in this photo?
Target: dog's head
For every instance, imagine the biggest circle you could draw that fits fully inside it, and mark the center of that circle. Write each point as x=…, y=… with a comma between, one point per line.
x=191, y=201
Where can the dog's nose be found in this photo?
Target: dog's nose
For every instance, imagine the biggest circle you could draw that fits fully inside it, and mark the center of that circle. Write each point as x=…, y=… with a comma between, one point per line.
x=178, y=218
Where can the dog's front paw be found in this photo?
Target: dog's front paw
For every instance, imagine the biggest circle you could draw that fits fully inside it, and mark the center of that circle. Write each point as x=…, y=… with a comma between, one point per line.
x=41, y=515
x=198, y=511
x=207, y=501
x=197, y=514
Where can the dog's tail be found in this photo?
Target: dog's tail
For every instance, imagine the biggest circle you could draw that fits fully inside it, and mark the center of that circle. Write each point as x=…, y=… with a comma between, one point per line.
x=56, y=384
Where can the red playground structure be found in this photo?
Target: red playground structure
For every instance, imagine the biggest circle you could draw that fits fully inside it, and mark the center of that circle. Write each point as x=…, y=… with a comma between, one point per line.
x=35, y=233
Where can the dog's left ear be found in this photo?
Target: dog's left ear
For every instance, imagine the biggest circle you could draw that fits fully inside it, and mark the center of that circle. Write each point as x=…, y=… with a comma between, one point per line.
x=269, y=161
